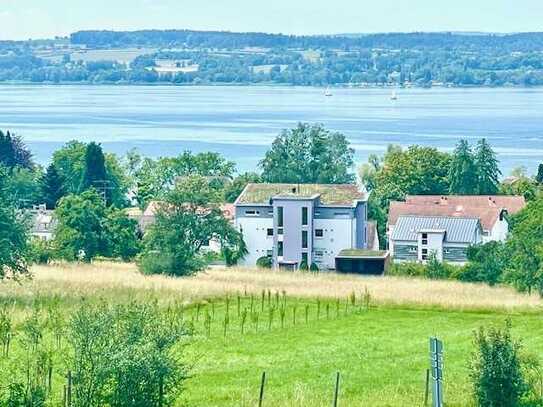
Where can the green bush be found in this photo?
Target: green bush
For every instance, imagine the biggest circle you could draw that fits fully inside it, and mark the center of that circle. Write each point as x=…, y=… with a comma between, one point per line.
x=41, y=251
x=264, y=262
x=407, y=269
x=496, y=370
x=314, y=268
x=304, y=266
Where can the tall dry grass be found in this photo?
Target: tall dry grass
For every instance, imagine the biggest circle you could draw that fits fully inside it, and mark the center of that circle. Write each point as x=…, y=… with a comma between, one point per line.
x=121, y=282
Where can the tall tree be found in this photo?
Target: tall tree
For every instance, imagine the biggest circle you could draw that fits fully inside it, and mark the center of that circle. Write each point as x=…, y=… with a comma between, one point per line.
x=539, y=175
x=188, y=219
x=13, y=236
x=309, y=154
x=13, y=152
x=80, y=229
x=488, y=170
x=52, y=188
x=94, y=175
x=463, y=177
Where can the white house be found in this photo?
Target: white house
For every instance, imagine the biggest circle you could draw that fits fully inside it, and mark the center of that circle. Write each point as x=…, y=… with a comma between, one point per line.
x=43, y=223
x=416, y=238
x=303, y=223
x=490, y=212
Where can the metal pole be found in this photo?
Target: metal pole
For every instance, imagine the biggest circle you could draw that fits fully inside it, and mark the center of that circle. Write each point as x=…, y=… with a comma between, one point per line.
x=262, y=382
x=336, y=392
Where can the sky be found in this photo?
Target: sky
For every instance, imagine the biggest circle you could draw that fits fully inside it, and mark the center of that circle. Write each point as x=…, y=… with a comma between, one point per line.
x=24, y=19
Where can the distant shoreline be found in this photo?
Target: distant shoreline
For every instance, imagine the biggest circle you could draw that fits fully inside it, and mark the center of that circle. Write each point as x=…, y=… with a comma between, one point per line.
x=262, y=84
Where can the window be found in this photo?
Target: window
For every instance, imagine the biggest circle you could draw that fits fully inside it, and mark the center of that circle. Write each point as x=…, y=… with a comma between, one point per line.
x=304, y=216
x=304, y=258
x=269, y=253
x=425, y=238
x=280, y=231
x=318, y=253
x=319, y=233
x=269, y=232
x=280, y=249
x=424, y=254
x=304, y=239
x=280, y=216
x=252, y=213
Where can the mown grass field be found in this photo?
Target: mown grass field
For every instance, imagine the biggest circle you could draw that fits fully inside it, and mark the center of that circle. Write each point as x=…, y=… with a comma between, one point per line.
x=379, y=342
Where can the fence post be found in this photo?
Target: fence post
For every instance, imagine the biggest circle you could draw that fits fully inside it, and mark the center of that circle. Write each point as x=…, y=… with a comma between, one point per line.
x=336, y=391
x=436, y=366
x=69, y=392
x=262, y=383
x=427, y=387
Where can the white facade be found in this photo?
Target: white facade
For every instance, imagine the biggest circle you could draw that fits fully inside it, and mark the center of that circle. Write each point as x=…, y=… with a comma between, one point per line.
x=255, y=235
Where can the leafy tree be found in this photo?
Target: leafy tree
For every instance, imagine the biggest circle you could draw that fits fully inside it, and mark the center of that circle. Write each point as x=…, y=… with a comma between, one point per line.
x=70, y=163
x=186, y=222
x=126, y=355
x=156, y=178
x=23, y=187
x=52, y=188
x=13, y=236
x=496, y=369
x=13, y=152
x=121, y=235
x=95, y=168
x=525, y=248
x=463, y=174
x=486, y=263
x=488, y=170
x=234, y=189
x=80, y=231
x=309, y=154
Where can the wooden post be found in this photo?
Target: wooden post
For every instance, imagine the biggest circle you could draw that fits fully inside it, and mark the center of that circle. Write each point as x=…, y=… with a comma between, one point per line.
x=336, y=391
x=427, y=387
x=262, y=383
x=69, y=392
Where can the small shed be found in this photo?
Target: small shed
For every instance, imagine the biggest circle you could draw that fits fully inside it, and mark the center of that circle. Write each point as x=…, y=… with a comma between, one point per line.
x=360, y=261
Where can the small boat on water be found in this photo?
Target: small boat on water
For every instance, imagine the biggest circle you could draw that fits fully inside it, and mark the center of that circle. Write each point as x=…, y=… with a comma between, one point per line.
x=393, y=96
x=328, y=92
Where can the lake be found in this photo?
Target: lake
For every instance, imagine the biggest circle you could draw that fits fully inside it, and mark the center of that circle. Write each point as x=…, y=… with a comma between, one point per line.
x=241, y=122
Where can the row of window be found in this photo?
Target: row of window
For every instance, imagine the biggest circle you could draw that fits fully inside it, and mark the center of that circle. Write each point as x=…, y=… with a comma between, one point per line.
x=269, y=232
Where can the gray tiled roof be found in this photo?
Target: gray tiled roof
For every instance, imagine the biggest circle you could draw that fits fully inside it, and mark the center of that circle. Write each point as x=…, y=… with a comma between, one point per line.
x=457, y=230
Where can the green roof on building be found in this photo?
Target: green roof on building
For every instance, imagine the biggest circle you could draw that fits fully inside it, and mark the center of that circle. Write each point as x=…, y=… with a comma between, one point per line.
x=330, y=194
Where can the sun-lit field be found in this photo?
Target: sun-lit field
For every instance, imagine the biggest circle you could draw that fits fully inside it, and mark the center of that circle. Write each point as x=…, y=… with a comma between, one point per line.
x=72, y=281
x=302, y=328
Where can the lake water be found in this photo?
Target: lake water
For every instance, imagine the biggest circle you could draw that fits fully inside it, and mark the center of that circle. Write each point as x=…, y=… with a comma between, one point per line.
x=241, y=122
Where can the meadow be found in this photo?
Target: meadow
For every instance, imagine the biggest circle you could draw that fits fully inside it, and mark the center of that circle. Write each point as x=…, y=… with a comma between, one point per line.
x=300, y=329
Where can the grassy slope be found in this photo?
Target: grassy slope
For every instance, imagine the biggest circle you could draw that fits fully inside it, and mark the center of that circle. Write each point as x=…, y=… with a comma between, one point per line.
x=382, y=353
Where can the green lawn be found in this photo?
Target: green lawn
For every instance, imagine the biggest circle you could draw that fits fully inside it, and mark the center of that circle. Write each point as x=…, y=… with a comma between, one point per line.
x=382, y=355
x=381, y=352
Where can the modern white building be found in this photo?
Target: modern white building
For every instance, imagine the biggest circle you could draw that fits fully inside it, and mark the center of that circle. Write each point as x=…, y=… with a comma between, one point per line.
x=447, y=225
x=302, y=223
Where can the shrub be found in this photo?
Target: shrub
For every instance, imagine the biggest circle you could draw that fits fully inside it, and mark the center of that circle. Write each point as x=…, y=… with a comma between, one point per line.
x=436, y=269
x=41, y=251
x=264, y=262
x=409, y=269
x=314, y=268
x=304, y=266
x=496, y=369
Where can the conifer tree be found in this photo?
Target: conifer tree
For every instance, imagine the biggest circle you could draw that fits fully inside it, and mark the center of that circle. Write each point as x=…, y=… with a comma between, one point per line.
x=95, y=168
x=539, y=176
x=488, y=171
x=463, y=176
x=52, y=188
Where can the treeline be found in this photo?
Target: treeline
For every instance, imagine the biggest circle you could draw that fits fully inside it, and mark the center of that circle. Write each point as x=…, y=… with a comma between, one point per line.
x=409, y=67
x=419, y=59
x=226, y=39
